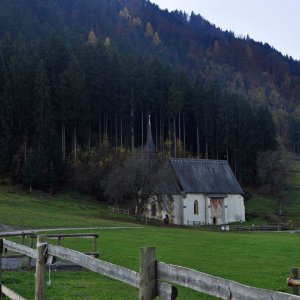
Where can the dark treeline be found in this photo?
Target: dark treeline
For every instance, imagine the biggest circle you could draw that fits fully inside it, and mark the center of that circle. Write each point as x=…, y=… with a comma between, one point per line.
x=239, y=64
x=58, y=101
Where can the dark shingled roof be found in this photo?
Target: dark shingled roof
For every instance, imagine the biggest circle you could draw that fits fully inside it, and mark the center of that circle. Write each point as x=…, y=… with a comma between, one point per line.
x=205, y=176
x=169, y=186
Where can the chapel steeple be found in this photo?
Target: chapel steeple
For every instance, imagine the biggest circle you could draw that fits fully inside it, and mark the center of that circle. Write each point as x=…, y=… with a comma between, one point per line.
x=149, y=147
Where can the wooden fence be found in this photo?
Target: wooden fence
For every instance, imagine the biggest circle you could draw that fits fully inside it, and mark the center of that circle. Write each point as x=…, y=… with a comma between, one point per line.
x=150, y=280
x=117, y=210
x=59, y=238
x=240, y=227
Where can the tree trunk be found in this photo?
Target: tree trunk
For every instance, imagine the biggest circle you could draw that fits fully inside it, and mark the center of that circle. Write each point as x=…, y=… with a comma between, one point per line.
x=161, y=135
x=217, y=144
x=75, y=143
x=116, y=129
x=106, y=125
x=184, y=146
x=175, y=150
x=42, y=100
x=206, y=129
x=89, y=138
x=280, y=204
x=179, y=126
x=227, y=137
x=142, y=127
x=121, y=131
x=132, y=128
x=100, y=129
x=198, y=142
x=63, y=141
x=156, y=145
x=25, y=149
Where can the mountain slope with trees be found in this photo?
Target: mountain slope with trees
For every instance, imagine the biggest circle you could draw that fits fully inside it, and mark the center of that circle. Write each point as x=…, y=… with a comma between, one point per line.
x=78, y=79
x=191, y=43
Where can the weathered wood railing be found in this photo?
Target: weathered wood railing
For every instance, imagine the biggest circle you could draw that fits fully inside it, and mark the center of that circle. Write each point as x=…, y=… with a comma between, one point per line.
x=149, y=280
x=58, y=237
x=240, y=227
x=4, y=290
x=45, y=253
x=117, y=210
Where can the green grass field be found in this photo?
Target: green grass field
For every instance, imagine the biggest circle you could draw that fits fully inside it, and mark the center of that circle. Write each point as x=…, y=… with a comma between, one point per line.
x=258, y=259
x=265, y=206
x=45, y=211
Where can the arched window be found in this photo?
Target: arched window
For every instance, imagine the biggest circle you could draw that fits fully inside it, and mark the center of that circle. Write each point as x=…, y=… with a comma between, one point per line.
x=196, y=208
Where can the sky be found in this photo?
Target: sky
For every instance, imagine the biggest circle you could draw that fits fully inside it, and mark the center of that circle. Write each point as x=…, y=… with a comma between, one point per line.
x=276, y=22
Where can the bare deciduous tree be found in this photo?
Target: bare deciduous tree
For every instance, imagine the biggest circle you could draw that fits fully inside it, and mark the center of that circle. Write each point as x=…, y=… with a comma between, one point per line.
x=136, y=181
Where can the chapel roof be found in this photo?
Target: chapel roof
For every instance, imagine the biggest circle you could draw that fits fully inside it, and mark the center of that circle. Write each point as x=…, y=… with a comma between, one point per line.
x=205, y=176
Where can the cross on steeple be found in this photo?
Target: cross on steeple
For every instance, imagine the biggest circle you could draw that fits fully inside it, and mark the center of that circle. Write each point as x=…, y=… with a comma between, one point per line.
x=149, y=147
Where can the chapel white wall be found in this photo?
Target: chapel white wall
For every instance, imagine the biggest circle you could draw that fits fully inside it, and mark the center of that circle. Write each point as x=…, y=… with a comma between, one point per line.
x=234, y=209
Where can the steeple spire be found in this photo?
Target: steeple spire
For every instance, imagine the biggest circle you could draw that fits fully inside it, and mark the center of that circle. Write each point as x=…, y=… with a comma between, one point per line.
x=149, y=147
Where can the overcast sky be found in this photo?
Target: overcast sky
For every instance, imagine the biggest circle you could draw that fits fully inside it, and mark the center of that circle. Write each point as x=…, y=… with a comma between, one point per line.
x=276, y=22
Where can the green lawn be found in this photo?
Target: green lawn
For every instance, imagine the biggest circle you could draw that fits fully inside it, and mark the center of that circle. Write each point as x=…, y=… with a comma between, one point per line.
x=257, y=259
x=265, y=206
x=46, y=211
x=261, y=206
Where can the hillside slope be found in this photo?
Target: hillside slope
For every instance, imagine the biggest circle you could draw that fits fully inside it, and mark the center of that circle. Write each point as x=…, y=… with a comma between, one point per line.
x=189, y=42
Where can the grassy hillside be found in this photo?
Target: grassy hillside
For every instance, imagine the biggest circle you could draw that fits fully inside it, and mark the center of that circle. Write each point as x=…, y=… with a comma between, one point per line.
x=257, y=259
x=292, y=204
x=41, y=210
x=261, y=207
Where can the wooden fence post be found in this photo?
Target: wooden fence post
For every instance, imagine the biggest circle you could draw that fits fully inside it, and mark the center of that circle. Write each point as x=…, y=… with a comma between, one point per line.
x=294, y=275
x=29, y=258
x=22, y=238
x=147, y=286
x=40, y=270
x=95, y=246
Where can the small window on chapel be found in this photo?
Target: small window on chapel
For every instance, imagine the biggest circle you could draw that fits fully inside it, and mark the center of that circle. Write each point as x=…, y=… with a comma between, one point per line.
x=196, y=208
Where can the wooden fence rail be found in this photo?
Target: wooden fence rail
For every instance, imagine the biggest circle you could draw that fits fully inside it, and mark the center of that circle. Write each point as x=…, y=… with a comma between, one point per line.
x=215, y=286
x=25, y=250
x=164, y=290
x=4, y=290
x=117, y=210
x=95, y=265
x=122, y=274
x=58, y=237
x=149, y=280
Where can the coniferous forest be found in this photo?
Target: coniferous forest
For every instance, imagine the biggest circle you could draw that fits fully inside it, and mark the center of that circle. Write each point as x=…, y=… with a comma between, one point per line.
x=57, y=99
x=78, y=80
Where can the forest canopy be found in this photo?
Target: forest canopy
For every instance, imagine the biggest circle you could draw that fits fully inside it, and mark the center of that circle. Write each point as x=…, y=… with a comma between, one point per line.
x=63, y=105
